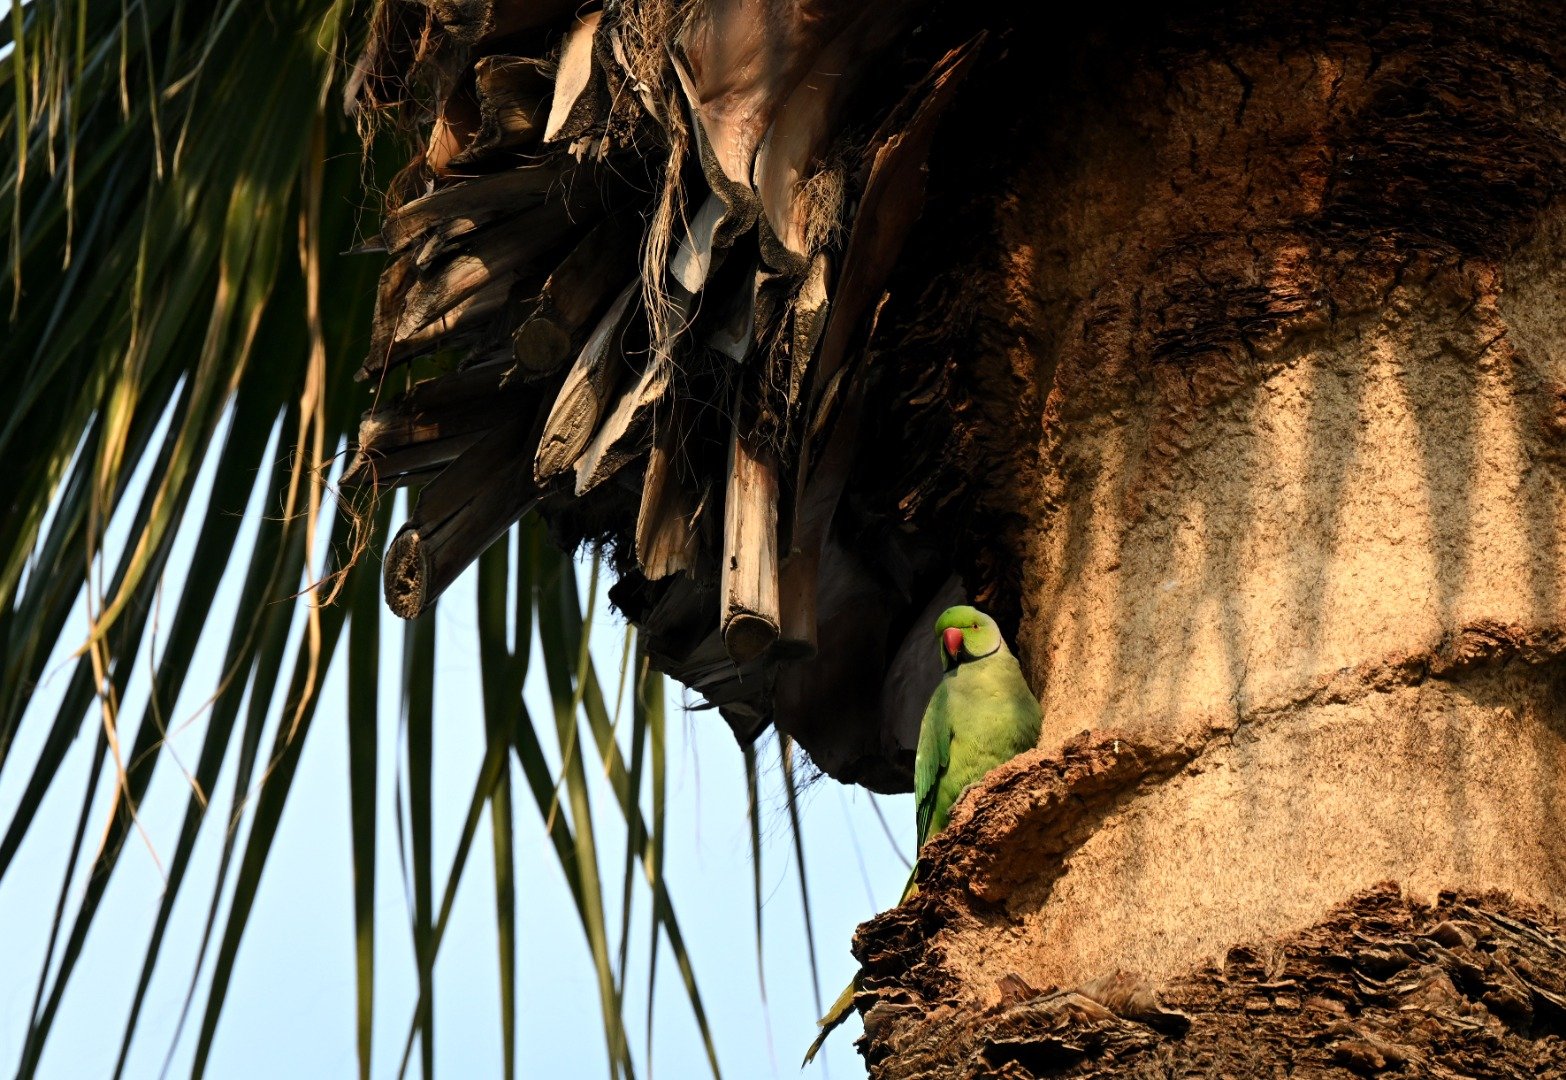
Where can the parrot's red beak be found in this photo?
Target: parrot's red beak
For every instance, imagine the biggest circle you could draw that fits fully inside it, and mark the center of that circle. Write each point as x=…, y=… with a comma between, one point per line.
x=952, y=640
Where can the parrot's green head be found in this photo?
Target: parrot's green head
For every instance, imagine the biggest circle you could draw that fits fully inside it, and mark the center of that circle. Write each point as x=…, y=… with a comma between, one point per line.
x=966, y=633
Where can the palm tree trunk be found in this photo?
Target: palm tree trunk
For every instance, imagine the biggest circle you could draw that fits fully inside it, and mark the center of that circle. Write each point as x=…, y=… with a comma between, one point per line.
x=1290, y=289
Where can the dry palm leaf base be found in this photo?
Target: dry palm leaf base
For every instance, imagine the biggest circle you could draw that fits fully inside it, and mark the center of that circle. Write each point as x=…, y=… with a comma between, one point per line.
x=646, y=279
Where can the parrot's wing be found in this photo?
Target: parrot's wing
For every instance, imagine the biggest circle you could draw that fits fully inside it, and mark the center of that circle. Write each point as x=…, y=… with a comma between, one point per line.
x=932, y=757
x=1024, y=715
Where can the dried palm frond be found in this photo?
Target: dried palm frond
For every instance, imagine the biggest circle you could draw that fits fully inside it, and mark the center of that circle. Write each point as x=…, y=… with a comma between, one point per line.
x=709, y=430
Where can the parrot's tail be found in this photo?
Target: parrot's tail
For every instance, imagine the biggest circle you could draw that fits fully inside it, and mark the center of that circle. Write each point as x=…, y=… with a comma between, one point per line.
x=845, y=1001
x=834, y=1016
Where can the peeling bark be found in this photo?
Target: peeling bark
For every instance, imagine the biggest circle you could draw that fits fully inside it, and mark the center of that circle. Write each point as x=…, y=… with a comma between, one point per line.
x=1467, y=986
x=961, y=980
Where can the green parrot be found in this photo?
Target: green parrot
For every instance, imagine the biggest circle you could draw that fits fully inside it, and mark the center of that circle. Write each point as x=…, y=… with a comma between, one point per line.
x=981, y=714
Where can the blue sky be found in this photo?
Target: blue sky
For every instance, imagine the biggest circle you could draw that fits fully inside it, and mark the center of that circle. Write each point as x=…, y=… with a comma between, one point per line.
x=290, y=1010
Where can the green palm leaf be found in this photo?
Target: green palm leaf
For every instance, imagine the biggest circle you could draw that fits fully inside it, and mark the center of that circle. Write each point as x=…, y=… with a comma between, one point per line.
x=183, y=194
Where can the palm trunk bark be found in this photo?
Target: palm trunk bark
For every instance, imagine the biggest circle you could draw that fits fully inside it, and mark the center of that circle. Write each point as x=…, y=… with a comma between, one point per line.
x=1289, y=286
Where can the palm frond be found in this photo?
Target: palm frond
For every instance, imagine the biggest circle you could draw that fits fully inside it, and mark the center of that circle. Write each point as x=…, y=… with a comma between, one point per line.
x=182, y=200
x=791, y=797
